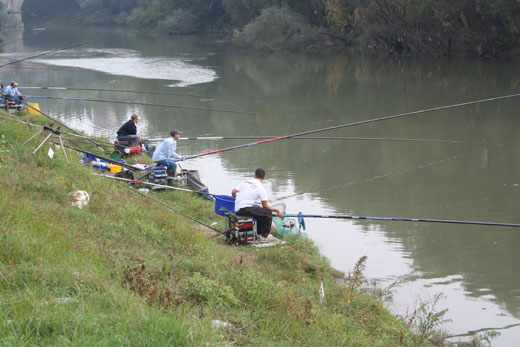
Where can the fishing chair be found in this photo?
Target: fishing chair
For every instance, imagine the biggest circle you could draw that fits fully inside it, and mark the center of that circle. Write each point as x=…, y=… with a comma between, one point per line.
x=240, y=229
x=127, y=148
x=9, y=102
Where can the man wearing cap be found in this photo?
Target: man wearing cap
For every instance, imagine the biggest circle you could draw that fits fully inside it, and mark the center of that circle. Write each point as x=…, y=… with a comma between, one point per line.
x=251, y=201
x=128, y=132
x=166, y=154
x=11, y=93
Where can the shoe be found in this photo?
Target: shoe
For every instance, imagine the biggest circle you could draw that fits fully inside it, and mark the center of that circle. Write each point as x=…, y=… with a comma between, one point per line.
x=260, y=238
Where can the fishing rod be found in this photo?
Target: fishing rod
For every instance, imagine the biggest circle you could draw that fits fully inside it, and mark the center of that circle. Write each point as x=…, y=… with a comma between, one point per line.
x=215, y=138
x=132, y=91
x=397, y=219
x=170, y=208
x=108, y=160
x=60, y=123
x=60, y=49
x=63, y=132
x=163, y=105
x=39, y=68
x=352, y=124
x=146, y=183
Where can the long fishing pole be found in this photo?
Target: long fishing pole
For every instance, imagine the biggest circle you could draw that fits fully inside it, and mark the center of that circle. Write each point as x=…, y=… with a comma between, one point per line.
x=108, y=160
x=352, y=124
x=146, y=183
x=170, y=208
x=397, y=219
x=63, y=132
x=216, y=138
x=39, y=68
x=163, y=105
x=62, y=124
x=132, y=91
x=60, y=49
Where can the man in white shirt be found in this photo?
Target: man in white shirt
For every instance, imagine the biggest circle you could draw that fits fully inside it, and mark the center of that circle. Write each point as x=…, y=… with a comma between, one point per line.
x=251, y=201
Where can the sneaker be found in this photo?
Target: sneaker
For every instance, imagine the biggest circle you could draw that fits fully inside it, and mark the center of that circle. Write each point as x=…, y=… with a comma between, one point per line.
x=260, y=238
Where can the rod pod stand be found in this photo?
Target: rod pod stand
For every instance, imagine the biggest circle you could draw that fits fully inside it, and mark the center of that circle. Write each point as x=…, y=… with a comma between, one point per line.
x=52, y=131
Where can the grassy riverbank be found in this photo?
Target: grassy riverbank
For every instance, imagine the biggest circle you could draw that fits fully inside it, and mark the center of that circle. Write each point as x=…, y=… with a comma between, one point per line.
x=127, y=271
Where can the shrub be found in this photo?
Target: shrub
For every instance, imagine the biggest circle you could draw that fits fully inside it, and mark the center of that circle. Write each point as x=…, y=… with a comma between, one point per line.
x=179, y=22
x=278, y=29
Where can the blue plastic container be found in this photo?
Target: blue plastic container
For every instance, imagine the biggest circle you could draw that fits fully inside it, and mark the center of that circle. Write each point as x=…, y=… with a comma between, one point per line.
x=224, y=204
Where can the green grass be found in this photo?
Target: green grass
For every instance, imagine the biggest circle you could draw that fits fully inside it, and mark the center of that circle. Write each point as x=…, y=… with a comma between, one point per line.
x=127, y=271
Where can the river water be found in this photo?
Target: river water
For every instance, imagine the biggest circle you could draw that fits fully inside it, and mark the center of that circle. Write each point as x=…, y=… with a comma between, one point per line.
x=475, y=267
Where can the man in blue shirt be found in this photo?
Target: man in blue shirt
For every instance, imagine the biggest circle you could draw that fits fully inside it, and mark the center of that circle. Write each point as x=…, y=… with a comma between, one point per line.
x=11, y=93
x=166, y=154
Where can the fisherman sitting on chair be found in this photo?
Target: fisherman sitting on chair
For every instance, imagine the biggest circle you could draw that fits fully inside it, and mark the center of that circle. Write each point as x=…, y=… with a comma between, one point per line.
x=165, y=153
x=128, y=132
x=251, y=201
x=12, y=94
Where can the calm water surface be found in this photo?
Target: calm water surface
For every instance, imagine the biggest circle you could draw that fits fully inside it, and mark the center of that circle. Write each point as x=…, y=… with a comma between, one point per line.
x=476, y=267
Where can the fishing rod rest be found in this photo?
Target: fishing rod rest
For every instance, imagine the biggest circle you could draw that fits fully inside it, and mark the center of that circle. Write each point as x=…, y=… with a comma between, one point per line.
x=52, y=131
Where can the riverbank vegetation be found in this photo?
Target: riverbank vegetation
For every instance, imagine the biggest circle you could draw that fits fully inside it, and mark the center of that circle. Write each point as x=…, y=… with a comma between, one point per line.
x=125, y=270
x=485, y=28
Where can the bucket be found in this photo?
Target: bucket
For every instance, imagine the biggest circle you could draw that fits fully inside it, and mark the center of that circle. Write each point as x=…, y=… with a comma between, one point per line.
x=31, y=110
x=224, y=204
x=116, y=155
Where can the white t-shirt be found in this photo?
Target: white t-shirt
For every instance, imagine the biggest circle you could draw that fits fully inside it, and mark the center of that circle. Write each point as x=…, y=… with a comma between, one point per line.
x=250, y=193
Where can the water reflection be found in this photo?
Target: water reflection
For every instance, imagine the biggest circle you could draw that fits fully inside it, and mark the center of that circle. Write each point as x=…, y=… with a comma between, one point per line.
x=476, y=265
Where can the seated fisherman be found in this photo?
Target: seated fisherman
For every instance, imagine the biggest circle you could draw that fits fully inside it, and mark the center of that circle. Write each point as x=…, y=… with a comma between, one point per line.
x=128, y=131
x=251, y=201
x=165, y=154
x=11, y=93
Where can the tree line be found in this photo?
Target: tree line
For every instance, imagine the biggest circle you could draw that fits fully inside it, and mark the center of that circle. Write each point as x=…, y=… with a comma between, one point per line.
x=486, y=28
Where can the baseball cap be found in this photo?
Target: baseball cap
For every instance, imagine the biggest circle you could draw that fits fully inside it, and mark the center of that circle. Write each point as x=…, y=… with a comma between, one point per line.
x=13, y=82
x=175, y=132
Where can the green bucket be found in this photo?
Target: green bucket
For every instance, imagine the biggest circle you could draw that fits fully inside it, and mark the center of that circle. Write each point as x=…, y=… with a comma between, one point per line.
x=116, y=155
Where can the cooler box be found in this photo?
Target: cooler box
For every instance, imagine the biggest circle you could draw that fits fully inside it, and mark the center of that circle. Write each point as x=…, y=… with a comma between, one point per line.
x=224, y=204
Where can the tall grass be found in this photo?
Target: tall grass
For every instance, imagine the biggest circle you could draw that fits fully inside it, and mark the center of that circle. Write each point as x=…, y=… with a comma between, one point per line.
x=127, y=271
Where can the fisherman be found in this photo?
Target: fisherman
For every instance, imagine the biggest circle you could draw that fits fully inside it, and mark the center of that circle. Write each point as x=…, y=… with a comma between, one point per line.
x=128, y=131
x=165, y=154
x=251, y=201
x=11, y=93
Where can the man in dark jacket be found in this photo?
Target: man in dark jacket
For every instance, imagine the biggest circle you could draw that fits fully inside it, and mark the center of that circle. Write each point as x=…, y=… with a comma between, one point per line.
x=128, y=132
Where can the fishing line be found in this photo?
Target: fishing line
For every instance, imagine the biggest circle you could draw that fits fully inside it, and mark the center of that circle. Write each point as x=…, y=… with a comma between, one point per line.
x=132, y=91
x=352, y=124
x=170, y=208
x=370, y=179
x=60, y=49
x=163, y=105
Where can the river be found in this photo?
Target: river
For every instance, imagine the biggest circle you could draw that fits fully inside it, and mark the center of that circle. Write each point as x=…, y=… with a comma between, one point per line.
x=475, y=267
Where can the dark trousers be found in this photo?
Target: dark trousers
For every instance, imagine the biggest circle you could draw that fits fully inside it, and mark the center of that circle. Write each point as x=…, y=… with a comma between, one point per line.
x=129, y=138
x=263, y=218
